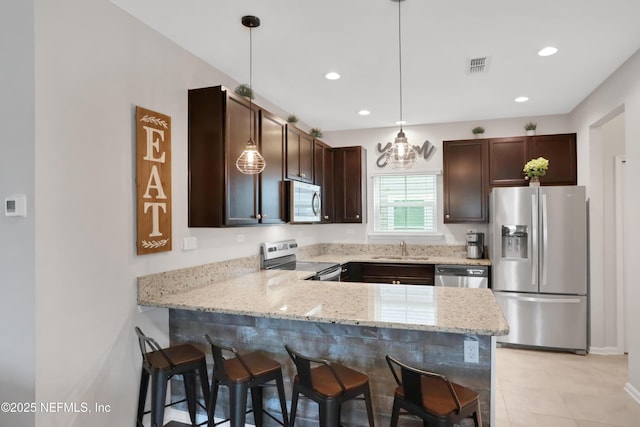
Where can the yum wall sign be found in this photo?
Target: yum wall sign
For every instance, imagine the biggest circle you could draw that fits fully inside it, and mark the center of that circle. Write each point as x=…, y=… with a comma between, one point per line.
x=153, y=181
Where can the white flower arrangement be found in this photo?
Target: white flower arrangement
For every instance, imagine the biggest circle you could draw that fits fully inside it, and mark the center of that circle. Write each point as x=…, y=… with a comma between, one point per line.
x=536, y=167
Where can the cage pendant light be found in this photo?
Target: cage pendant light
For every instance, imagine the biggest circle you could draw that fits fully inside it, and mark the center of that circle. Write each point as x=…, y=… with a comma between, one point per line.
x=250, y=161
x=400, y=155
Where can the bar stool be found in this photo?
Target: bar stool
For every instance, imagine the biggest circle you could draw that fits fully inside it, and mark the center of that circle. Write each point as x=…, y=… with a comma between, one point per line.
x=162, y=364
x=242, y=373
x=432, y=397
x=329, y=385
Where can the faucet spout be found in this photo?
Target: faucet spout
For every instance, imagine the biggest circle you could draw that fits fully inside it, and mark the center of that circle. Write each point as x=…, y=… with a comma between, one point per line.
x=403, y=248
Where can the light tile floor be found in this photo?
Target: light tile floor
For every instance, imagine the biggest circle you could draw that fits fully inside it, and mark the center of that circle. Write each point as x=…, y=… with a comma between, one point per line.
x=539, y=388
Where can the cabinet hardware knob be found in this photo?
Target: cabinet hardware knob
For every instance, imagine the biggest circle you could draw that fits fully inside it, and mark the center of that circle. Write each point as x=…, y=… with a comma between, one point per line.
x=344, y=270
x=264, y=216
x=326, y=217
x=259, y=216
x=304, y=175
x=357, y=216
x=447, y=216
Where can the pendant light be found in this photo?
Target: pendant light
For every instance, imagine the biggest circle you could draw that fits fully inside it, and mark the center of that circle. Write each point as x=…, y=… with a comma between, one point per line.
x=400, y=155
x=250, y=161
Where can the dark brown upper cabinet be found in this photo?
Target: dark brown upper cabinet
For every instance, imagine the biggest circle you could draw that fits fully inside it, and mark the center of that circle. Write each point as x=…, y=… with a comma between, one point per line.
x=219, y=128
x=472, y=167
x=465, y=171
x=299, y=155
x=323, y=176
x=560, y=150
x=507, y=157
x=350, y=175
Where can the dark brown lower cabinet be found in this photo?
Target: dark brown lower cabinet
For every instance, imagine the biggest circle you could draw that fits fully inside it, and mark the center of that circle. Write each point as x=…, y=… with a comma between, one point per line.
x=393, y=273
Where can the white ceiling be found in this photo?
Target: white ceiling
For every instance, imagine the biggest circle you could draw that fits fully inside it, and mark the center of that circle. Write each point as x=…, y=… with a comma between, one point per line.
x=301, y=40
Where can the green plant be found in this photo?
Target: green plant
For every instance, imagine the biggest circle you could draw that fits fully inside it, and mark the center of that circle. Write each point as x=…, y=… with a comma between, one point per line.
x=536, y=167
x=316, y=132
x=244, y=90
x=292, y=118
x=530, y=126
x=477, y=130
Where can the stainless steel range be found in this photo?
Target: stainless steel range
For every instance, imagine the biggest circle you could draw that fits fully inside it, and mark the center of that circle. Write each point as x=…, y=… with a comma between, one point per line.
x=282, y=255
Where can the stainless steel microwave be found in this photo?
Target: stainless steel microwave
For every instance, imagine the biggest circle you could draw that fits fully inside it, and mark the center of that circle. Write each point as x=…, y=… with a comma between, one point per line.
x=304, y=202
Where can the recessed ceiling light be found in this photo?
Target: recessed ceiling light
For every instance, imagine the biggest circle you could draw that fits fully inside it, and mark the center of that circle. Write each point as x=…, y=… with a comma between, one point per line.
x=401, y=122
x=332, y=76
x=364, y=112
x=522, y=99
x=548, y=51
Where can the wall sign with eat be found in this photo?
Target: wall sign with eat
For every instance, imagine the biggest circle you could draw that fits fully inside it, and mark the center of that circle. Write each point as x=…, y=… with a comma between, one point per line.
x=153, y=178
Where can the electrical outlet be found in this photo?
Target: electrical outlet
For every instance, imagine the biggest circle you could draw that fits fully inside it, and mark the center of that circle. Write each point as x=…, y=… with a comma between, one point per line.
x=189, y=243
x=471, y=352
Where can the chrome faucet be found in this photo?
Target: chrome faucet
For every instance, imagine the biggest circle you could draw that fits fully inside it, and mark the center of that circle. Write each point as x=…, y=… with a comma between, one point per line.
x=403, y=248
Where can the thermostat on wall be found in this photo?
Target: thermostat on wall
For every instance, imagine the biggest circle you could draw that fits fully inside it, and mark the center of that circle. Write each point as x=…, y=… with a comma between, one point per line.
x=15, y=205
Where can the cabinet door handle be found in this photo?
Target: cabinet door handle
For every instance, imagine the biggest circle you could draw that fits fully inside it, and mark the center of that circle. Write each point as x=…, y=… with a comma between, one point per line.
x=357, y=216
x=344, y=270
x=447, y=216
x=259, y=216
x=326, y=217
x=303, y=175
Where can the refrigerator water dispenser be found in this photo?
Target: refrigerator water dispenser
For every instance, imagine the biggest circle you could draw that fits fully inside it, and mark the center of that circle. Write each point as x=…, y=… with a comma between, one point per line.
x=515, y=241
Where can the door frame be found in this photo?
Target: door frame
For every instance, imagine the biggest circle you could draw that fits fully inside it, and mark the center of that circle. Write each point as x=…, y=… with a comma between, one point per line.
x=621, y=291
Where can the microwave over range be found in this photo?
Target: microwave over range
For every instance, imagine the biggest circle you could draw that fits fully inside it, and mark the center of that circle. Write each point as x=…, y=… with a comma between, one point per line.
x=304, y=202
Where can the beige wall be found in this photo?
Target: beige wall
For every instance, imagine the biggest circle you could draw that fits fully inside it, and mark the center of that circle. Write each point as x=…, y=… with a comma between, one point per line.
x=620, y=92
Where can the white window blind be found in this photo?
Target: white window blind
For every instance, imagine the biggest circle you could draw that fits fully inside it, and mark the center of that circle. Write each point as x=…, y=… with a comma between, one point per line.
x=405, y=203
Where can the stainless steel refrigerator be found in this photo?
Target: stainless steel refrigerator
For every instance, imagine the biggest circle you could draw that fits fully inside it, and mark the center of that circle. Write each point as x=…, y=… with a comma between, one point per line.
x=538, y=251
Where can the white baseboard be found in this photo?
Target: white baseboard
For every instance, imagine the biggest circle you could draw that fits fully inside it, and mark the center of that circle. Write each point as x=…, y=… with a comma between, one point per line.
x=633, y=392
x=605, y=351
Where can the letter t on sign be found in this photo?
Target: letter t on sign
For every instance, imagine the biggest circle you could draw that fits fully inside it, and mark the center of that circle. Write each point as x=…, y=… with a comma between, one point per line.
x=153, y=181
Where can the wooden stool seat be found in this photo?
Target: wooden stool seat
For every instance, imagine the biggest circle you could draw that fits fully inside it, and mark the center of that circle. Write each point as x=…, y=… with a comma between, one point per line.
x=432, y=397
x=160, y=365
x=329, y=385
x=251, y=371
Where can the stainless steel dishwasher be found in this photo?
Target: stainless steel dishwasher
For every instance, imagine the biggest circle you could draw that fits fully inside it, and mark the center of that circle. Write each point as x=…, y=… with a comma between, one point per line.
x=462, y=276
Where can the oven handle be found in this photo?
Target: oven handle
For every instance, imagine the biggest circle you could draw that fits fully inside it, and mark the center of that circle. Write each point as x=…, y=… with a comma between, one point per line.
x=331, y=276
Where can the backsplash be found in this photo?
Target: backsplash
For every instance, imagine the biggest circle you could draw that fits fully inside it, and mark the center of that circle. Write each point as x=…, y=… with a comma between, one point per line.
x=169, y=282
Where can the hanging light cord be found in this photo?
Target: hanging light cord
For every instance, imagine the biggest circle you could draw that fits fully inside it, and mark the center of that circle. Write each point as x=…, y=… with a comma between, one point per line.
x=251, y=84
x=400, y=58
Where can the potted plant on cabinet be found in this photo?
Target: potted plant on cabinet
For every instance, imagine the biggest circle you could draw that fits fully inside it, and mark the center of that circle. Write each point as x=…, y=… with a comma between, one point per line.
x=316, y=132
x=244, y=90
x=478, y=131
x=292, y=118
x=530, y=128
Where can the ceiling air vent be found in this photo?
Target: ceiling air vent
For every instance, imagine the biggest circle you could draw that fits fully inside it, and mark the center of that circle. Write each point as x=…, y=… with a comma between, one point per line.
x=478, y=65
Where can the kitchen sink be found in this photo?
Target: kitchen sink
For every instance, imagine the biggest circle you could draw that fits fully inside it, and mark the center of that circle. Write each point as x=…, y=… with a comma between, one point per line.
x=408, y=257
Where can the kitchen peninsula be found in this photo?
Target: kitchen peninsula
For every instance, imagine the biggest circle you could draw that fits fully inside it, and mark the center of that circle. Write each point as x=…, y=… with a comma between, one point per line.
x=354, y=323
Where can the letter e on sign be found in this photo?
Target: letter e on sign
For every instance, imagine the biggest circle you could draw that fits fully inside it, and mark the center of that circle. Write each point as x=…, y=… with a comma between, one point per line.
x=153, y=181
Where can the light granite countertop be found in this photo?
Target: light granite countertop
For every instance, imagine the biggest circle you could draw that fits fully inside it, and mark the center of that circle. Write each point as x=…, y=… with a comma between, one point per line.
x=286, y=295
x=408, y=259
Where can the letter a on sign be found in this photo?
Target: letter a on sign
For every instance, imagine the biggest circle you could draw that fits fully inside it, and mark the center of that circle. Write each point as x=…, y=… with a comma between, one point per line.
x=153, y=178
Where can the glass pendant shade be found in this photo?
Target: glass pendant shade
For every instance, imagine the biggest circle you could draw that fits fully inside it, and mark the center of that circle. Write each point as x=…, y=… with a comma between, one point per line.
x=401, y=155
x=250, y=161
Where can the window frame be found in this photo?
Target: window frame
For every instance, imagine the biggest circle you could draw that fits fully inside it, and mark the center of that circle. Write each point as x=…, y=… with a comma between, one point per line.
x=375, y=203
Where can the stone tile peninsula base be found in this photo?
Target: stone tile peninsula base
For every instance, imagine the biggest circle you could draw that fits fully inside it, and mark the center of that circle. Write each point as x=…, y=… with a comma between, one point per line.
x=360, y=347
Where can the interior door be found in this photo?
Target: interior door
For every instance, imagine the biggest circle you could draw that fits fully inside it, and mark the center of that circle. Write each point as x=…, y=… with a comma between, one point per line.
x=563, y=240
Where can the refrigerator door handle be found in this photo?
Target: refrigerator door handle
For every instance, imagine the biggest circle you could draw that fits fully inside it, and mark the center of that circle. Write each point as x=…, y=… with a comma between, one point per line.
x=552, y=300
x=545, y=242
x=534, y=241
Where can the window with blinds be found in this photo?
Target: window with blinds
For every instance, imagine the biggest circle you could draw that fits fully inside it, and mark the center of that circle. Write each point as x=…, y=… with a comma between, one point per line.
x=404, y=203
